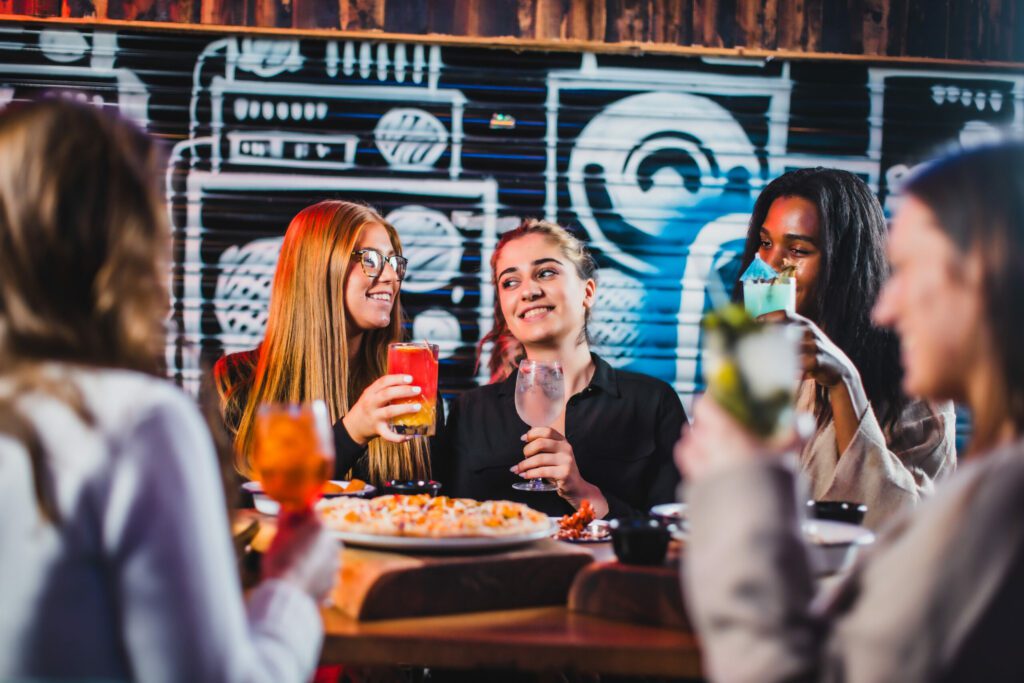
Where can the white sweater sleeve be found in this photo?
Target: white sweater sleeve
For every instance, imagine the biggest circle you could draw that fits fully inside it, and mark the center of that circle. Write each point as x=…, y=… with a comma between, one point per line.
x=171, y=561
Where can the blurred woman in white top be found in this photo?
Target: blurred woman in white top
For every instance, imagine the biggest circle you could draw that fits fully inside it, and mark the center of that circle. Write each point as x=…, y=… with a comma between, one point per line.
x=117, y=560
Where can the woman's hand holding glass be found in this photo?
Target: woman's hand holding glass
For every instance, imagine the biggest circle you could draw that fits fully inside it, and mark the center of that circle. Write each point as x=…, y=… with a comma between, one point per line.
x=548, y=455
x=304, y=554
x=370, y=415
x=824, y=362
x=820, y=359
x=293, y=458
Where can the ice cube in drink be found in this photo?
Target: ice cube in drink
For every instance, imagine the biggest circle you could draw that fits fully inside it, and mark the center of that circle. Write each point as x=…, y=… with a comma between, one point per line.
x=540, y=404
x=420, y=361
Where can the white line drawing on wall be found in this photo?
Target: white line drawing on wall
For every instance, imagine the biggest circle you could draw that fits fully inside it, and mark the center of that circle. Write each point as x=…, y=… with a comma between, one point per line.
x=253, y=56
x=662, y=109
x=289, y=148
x=250, y=268
x=702, y=263
x=665, y=111
x=433, y=243
x=88, y=81
x=269, y=122
x=986, y=101
x=627, y=133
x=243, y=291
x=411, y=140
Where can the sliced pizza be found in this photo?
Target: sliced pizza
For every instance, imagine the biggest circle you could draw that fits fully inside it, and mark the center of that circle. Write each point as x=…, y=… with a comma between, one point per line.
x=425, y=516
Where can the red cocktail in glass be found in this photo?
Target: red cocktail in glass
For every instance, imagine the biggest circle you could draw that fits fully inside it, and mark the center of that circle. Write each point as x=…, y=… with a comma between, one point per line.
x=420, y=361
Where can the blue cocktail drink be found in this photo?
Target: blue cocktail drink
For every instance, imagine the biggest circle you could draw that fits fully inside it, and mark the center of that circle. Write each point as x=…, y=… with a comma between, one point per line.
x=765, y=290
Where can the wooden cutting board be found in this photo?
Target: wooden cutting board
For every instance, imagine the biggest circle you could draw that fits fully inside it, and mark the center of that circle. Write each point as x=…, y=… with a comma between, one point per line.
x=385, y=585
x=623, y=592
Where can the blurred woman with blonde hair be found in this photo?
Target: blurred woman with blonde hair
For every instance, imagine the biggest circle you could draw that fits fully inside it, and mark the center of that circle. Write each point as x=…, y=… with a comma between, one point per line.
x=334, y=308
x=117, y=559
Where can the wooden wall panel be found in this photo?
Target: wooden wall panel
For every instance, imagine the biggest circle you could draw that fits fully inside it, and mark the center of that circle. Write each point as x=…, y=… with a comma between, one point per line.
x=875, y=29
x=974, y=30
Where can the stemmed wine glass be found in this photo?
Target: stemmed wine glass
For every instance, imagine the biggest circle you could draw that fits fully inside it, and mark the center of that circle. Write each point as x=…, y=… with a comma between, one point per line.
x=294, y=454
x=540, y=390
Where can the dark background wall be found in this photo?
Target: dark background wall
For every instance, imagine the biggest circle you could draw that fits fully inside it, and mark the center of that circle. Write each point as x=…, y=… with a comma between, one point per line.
x=655, y=159
x=953, y=29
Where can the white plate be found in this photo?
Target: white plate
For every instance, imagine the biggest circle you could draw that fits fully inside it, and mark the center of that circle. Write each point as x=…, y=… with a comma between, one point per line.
x=268, y=506
x=831, y=545
x=439, y=545
x=670, y=510
x=826, y=532
x=675, y=512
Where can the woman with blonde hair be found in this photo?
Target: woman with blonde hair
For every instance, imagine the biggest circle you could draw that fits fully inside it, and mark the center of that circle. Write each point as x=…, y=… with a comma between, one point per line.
x=612, y=442
x=334, y=308
x=117, y=560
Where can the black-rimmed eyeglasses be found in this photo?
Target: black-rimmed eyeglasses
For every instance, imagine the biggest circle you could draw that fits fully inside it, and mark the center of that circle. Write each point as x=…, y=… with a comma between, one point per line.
x=373, y=262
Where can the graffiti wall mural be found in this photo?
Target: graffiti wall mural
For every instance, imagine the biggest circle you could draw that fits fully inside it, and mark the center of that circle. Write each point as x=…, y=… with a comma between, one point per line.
x=656, y=161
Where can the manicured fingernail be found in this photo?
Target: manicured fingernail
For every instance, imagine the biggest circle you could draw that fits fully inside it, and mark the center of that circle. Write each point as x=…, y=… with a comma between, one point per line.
x=414, y=390
x=406, y=378
x=417, y=406
x=513, y=469
x=523, y=437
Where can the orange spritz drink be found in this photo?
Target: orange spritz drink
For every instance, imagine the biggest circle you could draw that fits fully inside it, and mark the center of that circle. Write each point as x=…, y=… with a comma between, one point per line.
x=294, y=453
x=420, y=361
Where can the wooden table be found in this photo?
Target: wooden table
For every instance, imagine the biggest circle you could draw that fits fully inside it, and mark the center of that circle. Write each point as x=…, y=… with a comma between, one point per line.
x=534, y=639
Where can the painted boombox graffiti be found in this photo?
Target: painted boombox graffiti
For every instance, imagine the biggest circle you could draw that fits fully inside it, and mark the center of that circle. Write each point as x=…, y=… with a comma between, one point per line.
x=265, y=142
x=656, y=159
x=77, y=64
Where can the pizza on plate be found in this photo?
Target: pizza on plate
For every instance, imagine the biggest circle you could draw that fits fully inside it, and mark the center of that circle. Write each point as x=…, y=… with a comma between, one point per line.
x=426, y=517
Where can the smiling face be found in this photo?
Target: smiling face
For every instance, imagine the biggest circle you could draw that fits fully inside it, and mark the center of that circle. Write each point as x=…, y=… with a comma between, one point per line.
x=370, y=301
x=932, y=300
x=542, y=297
x=791, y=235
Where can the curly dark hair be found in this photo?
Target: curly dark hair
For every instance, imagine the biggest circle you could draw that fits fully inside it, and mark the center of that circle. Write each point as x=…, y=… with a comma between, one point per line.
x=853, y=270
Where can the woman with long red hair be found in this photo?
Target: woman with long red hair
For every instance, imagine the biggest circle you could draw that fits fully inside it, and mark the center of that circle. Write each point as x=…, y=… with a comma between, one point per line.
x=334, y=308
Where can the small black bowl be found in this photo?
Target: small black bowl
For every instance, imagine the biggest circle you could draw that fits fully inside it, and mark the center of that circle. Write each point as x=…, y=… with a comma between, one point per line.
x=837, y=510
x=411, y=488
x=639, y=540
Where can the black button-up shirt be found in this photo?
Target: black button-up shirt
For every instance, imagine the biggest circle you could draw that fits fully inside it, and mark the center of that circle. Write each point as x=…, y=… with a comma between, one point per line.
x=622, y=429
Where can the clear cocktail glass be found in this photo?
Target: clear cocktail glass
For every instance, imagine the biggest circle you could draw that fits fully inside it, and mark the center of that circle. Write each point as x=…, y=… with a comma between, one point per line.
x=765, y=296
x=540, y=394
